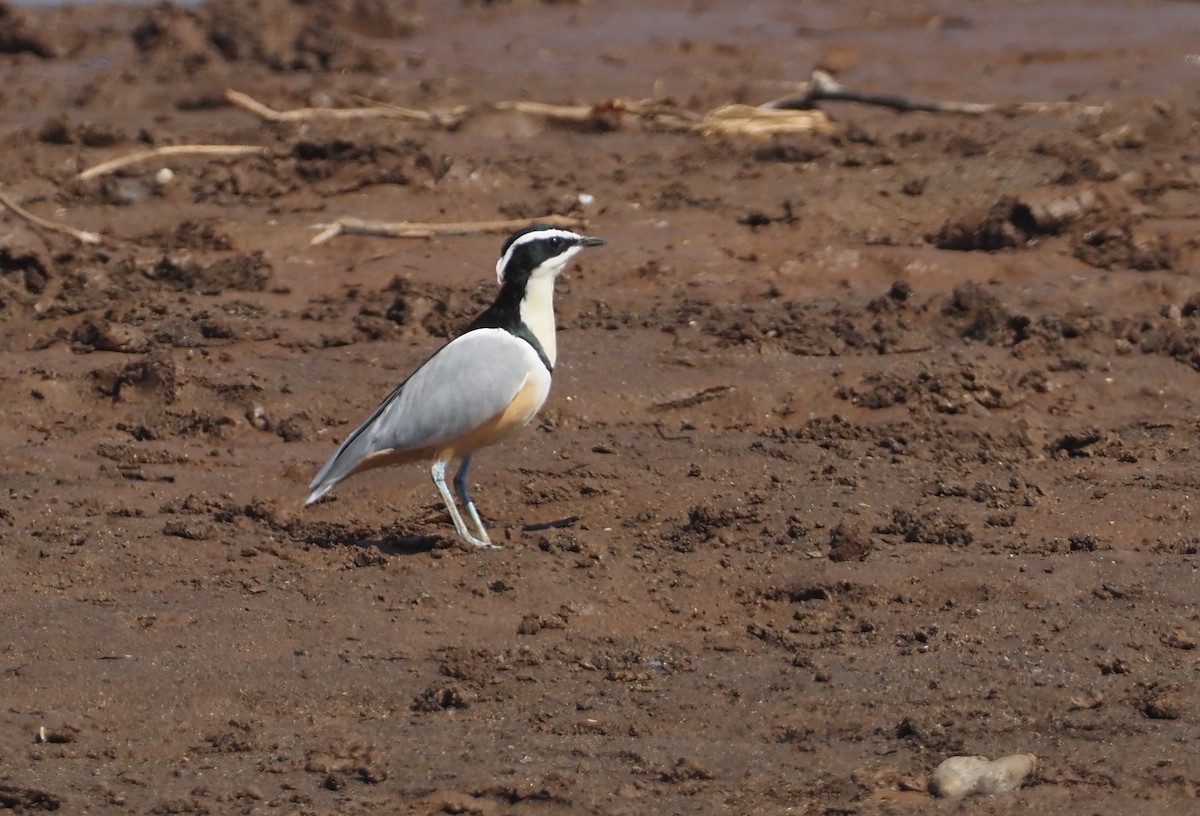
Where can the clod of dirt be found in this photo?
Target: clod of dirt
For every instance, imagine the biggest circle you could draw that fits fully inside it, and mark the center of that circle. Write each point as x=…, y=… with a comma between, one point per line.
x=235, y=740
x=245, y=272
x=22, y=799
x=438, y=698
x=105, y=335
x=988, y=229
x=1179, y=639
x=530, y=625
x=686, y=769
x=1050, y=210
x=966, y=775
x=58, y=734
x=27, y=270
x=1076, y=443
x=191, y=529
x=981, y=316
x=1121, y=244
x=58, y=130
x=17, y=36
x=447, y=801
x=344, y=757
x=1015, y=220
x=55, y=130
x=145, y=377
x=847, y=542
x=1165, y=705
x=928, y=528
x=708, y=521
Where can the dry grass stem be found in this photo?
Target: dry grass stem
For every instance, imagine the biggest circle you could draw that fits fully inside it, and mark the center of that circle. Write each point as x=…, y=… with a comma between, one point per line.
x=413, y=229
x=83, y=236
x=375, y=110
x=760, y=123
x=120, y=162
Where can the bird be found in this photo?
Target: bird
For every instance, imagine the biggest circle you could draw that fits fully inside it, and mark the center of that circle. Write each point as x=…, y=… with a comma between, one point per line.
x=482, y=386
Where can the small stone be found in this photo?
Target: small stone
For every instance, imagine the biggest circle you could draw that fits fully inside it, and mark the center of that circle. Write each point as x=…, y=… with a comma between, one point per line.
x=1005, y=774
x=956, y=776
x=256, y=415
x=965, y=775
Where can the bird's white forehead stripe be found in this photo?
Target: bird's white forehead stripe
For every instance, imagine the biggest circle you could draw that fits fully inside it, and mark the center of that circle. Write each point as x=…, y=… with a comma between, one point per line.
x=539, y=235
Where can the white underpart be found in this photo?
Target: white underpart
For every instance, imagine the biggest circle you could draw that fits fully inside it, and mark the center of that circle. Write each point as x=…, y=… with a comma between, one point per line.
x=537, y=307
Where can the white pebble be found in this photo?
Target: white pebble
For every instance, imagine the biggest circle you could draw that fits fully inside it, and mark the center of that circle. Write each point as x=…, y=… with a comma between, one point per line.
x=587, y=199
x=164, y=177
x=965, y=775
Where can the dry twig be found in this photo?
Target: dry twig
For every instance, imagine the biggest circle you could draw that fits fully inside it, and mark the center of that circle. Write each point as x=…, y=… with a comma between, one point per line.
x=703, y=395
x=453, y=117
x=822, y=87
x=411, y=229
x=788, y=115
x=660, y=115
x=557, y=524
x=576, y=114
x=169, y=150
x=448, y=118
x=82, y=236
x=727, y=120
x=760, y=122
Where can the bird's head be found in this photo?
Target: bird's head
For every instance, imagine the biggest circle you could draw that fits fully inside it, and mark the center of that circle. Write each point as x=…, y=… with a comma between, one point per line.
x=539, y=251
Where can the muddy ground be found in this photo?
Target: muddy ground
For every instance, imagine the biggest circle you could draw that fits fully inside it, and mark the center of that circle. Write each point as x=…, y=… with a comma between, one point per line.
x=867, y=448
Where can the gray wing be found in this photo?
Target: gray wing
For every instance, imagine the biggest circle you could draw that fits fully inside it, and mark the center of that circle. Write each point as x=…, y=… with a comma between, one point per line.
x=468, y=382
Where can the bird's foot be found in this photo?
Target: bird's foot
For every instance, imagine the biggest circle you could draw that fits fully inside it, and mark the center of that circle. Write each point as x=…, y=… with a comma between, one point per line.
x=481, y=544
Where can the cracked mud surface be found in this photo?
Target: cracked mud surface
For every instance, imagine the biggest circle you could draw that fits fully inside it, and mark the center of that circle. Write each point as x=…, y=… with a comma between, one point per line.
x=867, y=448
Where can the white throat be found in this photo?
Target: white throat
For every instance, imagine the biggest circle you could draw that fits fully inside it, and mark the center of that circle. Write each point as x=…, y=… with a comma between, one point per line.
x=537, y=312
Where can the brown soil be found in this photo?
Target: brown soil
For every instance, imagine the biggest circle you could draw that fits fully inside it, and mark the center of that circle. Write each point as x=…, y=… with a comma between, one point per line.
x=879, y=446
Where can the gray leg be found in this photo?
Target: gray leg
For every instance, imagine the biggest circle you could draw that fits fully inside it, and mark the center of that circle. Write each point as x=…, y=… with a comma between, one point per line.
x=438, y=471
x=460, y=487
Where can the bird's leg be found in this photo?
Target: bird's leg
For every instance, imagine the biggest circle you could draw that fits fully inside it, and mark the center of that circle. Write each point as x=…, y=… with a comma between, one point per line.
x=438, y=471
x=460, y=487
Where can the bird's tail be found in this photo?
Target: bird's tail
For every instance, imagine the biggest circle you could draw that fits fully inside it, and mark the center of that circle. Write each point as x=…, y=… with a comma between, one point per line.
x=318, y=489
x=321, y=485
x=343, y=463
x=360, y=451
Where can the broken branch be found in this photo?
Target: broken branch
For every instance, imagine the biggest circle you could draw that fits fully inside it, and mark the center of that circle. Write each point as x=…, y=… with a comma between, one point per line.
x=169, y=150
x=82, y=236
x=347, y=225
x=823, y=87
